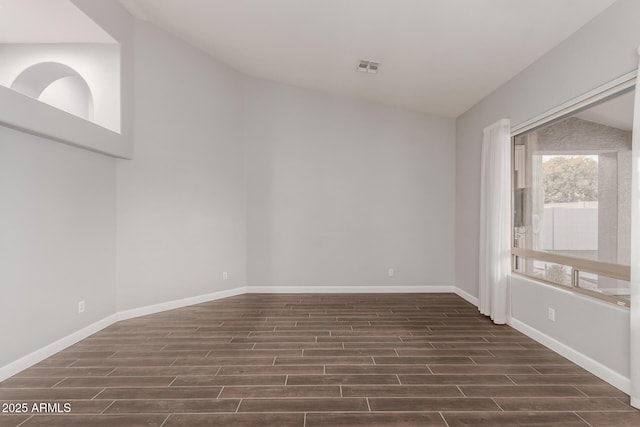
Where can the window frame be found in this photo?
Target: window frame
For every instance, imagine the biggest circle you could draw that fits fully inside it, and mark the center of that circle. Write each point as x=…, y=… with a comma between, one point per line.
x=612, y=270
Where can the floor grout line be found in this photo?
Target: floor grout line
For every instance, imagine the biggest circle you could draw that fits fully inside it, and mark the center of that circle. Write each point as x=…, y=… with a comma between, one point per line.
x=108, y=406
x=578, y=415
x=443, y=418
x=165, y=420
x=99, y=393
x=63, y=379
x=585, y=394
x=24, y=421
x=493, y=399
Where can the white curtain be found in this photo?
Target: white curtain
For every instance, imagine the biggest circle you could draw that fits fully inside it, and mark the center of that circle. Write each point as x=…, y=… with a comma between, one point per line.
x=635, y=254
x=495, y=221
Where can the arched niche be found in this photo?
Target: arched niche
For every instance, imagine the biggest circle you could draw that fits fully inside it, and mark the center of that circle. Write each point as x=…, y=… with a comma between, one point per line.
x=58, y=85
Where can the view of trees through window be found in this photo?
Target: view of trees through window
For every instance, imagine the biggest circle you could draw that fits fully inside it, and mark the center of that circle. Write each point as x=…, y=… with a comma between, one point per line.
x=570, y=179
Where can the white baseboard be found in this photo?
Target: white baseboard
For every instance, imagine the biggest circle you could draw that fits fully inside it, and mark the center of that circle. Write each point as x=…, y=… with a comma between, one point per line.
x=253, y=289
x=170, y=305
x=55, y=347
x=466, y=296
x=49, y=350
x=596, y=368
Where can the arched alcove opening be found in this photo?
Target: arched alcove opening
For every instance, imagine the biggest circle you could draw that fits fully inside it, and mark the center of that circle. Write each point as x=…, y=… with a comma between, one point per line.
x=58, y=85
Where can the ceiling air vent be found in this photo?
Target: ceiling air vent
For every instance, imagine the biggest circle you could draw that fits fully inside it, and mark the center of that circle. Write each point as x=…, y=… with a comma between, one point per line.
x=370, y=67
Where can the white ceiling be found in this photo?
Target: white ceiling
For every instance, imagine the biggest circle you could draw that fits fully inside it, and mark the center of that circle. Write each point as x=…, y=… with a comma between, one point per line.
x=437, y=56
x=47, y=21
x=616, y=112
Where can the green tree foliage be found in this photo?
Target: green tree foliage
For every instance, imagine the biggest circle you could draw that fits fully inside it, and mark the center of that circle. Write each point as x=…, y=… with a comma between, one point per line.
x=570, y=179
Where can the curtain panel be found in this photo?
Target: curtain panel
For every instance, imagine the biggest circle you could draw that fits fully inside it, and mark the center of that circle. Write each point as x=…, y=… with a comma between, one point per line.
x=495, y=221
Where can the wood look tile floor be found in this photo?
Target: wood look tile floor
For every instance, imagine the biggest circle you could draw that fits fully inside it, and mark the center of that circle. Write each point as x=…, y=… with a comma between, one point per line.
x=314, y=360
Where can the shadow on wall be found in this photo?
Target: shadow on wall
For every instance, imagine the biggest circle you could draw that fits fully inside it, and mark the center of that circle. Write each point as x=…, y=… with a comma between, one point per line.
x=58, y=85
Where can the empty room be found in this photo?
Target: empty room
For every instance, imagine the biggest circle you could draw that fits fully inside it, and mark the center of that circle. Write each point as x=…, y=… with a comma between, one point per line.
x=319, y=213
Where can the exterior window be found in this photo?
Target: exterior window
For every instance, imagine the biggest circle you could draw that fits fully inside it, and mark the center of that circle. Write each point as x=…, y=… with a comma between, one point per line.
x=571, y=200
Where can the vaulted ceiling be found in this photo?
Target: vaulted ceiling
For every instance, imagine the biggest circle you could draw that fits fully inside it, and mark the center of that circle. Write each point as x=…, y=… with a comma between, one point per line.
x=437, y=56
x=47, y=21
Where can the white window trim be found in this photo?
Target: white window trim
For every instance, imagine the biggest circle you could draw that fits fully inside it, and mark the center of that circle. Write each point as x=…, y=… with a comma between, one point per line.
x=611, y=88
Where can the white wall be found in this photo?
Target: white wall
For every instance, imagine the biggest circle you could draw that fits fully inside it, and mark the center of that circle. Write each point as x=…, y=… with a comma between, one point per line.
x=593, y=328
x=340, y=190
x=57, y=244
x=602, y=50
x=57, y=221
x=181, y=216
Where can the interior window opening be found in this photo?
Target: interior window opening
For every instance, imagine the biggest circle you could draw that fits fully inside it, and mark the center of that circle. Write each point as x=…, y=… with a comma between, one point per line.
x=571, y=200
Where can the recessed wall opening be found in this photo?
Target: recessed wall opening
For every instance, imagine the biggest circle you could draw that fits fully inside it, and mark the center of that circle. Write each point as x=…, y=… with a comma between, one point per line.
x=51, y=51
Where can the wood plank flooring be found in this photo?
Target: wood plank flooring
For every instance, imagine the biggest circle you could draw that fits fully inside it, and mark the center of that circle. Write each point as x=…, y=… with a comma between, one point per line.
x=314, y=360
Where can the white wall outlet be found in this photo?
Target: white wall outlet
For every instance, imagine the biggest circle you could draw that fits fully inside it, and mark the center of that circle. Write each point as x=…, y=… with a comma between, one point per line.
x=551, y=314
x=81, y=307
x=225, y=276
x=391, y=272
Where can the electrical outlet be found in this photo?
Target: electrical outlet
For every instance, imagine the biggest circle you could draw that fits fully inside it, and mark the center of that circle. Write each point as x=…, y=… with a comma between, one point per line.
x=391, y=272
x=81, y=307
x=551, y=314
x=225, y=276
